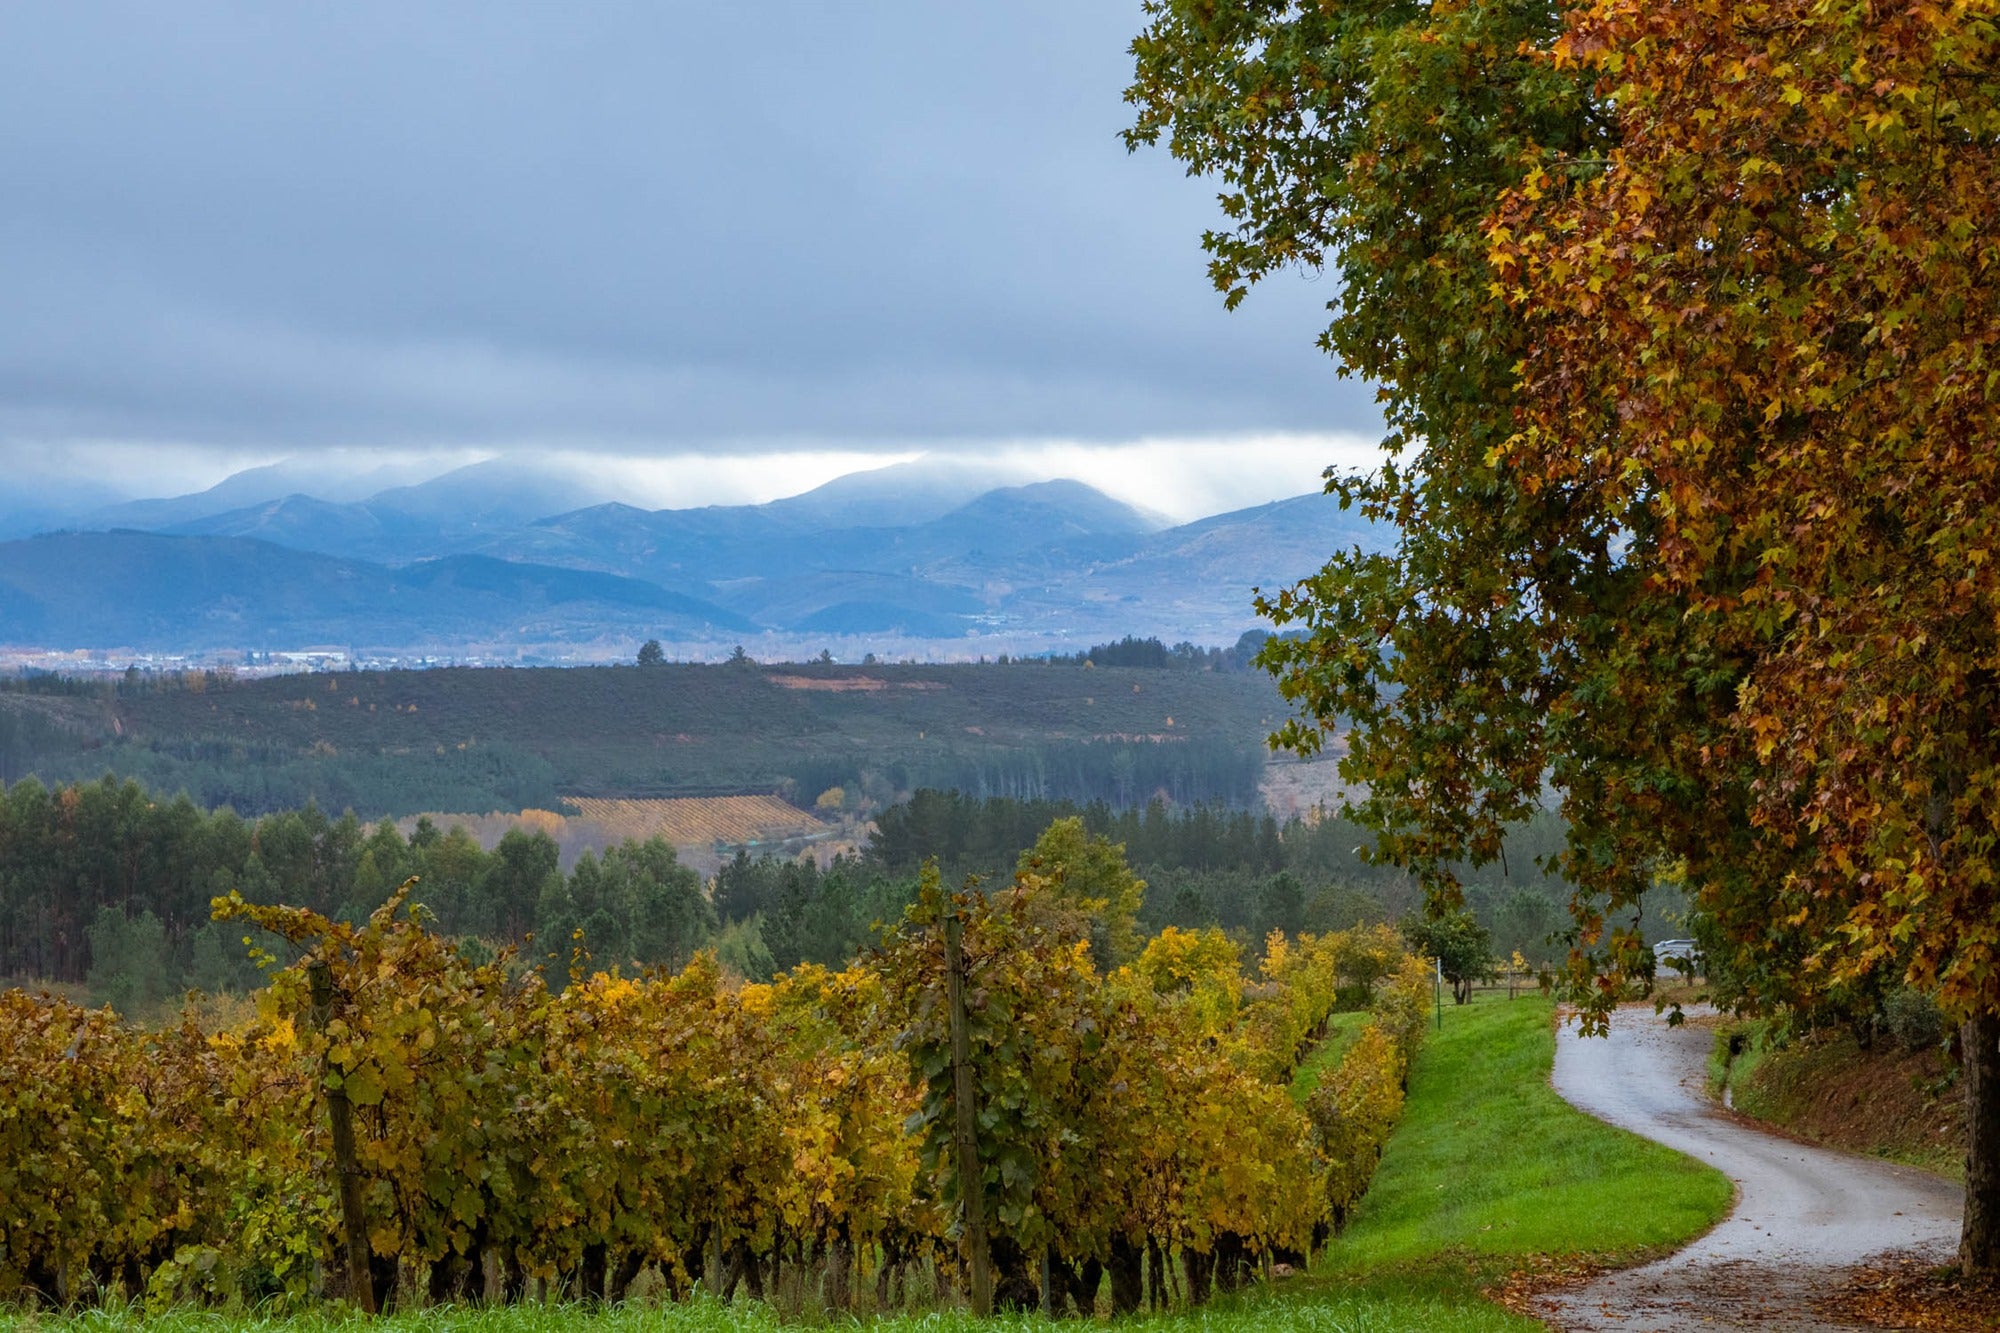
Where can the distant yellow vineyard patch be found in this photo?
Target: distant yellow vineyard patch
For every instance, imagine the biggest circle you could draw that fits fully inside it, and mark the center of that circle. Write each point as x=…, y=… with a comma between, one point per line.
x=689, y=821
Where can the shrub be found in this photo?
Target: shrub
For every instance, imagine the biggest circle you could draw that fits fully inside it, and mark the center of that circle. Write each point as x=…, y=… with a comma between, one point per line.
x=1913, y=1020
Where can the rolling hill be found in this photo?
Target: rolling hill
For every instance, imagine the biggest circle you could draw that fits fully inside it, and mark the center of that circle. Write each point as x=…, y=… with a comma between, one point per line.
x=402, y=742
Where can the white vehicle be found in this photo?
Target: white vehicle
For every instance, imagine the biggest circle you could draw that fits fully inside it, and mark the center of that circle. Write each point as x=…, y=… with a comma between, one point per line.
x=1682, y=956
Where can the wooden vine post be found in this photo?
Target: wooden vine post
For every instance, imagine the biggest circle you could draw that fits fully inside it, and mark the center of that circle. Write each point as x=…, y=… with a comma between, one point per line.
x=971, y=1189
x=340, y=1114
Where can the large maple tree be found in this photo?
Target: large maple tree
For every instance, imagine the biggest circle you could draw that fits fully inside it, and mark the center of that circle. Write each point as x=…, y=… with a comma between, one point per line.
x=1684, y=318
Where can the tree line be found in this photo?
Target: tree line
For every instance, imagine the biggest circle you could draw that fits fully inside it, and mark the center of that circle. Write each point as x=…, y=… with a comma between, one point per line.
x=104, y=885
x=101, y=884
x=1248, y=874
x=1153, y=653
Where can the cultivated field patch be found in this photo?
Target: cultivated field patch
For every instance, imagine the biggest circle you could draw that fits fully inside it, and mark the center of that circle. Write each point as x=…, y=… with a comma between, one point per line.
x=696, y=821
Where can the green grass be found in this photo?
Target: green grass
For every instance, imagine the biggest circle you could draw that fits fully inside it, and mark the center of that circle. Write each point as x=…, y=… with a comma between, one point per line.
x=1341, y=1030
x=1488, y=1172
x=1332, y=1313
x=1491, y=1170
x=1754, y=1037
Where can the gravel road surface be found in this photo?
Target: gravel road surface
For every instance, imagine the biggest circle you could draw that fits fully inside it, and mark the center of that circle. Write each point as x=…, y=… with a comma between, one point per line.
x=1803, y=1215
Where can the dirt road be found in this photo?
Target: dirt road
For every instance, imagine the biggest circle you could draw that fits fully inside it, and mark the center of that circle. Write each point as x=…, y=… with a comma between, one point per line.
x=1803, y=1215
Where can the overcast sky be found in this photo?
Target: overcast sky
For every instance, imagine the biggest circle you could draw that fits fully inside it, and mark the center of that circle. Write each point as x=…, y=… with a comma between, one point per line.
x=671, y=232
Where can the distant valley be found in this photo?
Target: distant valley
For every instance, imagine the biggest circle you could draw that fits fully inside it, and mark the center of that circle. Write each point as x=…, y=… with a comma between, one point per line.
x=504, y=562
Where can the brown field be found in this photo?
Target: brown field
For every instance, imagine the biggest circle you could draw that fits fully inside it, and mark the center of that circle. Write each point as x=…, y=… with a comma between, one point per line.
x=696, y=821
x=850, y=684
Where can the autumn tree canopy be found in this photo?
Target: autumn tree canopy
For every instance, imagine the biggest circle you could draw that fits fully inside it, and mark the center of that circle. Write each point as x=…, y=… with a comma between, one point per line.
x=1684, y=315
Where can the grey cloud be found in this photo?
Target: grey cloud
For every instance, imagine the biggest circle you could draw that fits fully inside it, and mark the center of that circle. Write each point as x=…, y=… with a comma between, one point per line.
x=640, y=225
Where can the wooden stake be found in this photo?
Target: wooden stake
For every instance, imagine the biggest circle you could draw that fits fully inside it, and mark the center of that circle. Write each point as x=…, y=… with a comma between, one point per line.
x=340, y=1112
x=971, y=1186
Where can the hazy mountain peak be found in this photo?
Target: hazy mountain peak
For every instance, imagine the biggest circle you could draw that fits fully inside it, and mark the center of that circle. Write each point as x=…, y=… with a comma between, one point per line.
x=900, y=495
x=330, y=479
x=498, y=492
x=1065, y=508
x=614, y=510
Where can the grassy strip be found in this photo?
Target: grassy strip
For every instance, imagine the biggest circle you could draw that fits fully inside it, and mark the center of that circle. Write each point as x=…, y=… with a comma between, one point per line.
x=1489, y=1173
x=1738, y=1054
x=1341, y=1030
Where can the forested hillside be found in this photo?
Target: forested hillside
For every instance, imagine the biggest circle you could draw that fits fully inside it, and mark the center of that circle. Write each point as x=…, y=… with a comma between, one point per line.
x=404, y=742
x=106, y=886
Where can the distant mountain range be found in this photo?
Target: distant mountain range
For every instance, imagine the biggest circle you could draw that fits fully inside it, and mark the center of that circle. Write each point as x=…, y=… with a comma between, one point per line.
x=502, y=557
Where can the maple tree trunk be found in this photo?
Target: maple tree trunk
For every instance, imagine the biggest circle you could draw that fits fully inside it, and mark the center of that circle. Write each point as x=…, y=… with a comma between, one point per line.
x=1979, y=1240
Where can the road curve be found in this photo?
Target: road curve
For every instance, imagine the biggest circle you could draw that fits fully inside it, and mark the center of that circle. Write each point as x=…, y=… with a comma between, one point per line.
x=1803, y=1215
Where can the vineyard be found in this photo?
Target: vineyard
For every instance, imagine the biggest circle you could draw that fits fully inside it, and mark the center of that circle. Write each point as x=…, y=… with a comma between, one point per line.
x=699, y=821
x=403, y=1123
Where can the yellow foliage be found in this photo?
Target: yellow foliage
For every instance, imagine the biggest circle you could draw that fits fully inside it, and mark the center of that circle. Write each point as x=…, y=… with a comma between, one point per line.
x=696, y=821
x=1087, y=873
x=545, y=821
x=646, y=1117
x=1403, y=1006
x=1202, y=966
x=1353, y=1110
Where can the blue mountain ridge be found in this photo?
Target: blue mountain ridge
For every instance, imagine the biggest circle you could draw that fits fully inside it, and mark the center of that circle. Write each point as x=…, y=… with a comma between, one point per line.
x=1051, y=559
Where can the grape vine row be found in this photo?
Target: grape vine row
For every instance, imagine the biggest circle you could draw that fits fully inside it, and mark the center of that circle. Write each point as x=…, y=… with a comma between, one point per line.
x=514, y=1136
